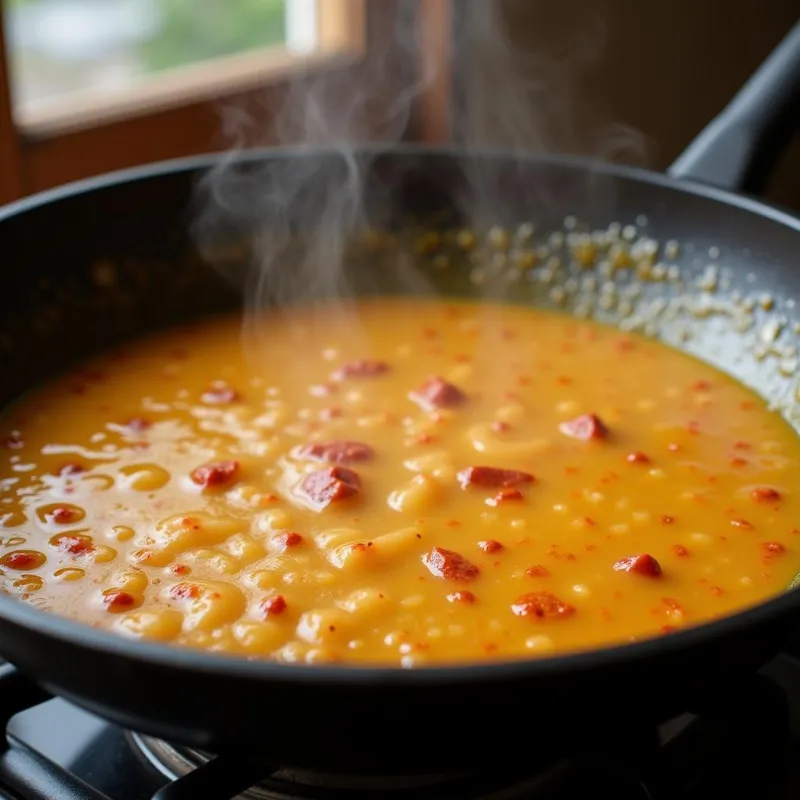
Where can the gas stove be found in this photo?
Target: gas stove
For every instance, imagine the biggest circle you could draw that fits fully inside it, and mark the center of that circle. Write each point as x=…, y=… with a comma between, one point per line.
x=744, y=744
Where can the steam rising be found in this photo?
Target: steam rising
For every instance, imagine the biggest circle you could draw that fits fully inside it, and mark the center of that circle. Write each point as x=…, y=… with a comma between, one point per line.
x=526, y=100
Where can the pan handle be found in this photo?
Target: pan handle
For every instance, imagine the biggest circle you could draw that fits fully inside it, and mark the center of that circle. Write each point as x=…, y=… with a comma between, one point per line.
x=739, y=149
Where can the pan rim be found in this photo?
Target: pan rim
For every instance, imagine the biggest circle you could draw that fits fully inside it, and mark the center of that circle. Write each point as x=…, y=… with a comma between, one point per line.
x=221, y=666
x=187, y=164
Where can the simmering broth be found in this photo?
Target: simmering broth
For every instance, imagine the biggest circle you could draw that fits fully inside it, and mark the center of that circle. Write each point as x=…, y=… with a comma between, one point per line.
x=398, y=481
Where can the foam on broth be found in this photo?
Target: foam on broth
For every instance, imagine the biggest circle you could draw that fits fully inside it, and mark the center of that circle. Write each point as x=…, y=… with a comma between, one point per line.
x=334, y=504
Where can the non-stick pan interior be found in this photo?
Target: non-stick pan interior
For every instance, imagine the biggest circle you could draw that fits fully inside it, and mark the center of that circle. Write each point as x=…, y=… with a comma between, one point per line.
x=710, y=274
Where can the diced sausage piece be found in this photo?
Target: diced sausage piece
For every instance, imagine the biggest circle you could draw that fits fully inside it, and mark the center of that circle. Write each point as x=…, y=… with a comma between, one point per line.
x=216, y=473
x=449, y=565
x=337, y=452
x=437, y=393
x=765, y=494
x=640, y=565
x=363, y=368
x=493, y=478
x=772, y=549
x=586, y=427
x=538, y=571
x=325, y=486
x=541, y=605
x=505, y=496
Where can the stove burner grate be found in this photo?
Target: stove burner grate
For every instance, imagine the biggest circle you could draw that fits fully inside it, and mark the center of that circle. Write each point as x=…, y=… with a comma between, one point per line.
x=175, y=763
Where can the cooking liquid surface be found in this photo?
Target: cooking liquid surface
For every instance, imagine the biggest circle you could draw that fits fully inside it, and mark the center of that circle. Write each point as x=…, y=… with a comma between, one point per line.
x=325, y=496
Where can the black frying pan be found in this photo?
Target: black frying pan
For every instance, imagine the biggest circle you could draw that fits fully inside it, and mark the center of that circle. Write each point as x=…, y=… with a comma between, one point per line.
x=393, y=721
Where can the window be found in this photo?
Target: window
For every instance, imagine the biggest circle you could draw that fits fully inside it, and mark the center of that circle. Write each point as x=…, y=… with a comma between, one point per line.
x=89, y=86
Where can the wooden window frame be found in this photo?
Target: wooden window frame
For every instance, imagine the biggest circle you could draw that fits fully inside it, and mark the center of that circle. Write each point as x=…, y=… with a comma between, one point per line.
x=178, y=113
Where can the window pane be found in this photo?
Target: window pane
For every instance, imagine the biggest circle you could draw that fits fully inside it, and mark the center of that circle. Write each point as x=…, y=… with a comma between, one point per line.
x=62, y=46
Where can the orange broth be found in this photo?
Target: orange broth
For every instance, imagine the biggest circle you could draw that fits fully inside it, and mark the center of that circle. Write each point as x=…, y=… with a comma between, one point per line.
x=397, y=481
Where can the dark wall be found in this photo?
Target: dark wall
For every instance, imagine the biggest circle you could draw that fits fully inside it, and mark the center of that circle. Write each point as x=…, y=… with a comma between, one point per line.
x=665, y=68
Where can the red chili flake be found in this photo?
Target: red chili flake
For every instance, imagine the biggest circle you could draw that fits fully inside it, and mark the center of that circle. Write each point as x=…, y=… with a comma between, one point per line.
x=425, y=438
x=765, y=494
x=716, y=590
x=693, y=427
x=523, y=380
x=625, y=345
x=23, y=560
x=65, y=515
x=138, y=424
x=505, y=496
x=538, y=571
x=498, y=426
x=337, y=452
x=288, y=539
x=70, y=468
x=437, y=393
x=665, y=629
x=328, y=414
x=185, y=591
x=325, y=486
x=640, y=565
x=671, y=604
x=586, y=427
x=75, y=544
x=449, y=565
x=541, y=605
x=737, y=462
x=637, y=458
x=15, y=442
x=216, y=473
x=555, y=552
x=490, y=545
x=452, y=523
x=219, y=395
x=701, y=386
x=679, y=550
x=363, y=368
x=743, y=524
x=273, y=605
x=493, y=477
x=747, y=405
x=430, y=333
x=461, y=597
x=666, y=519
x=740, y=445
x=116, y=600
x=179, y=569
x=564, y=380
